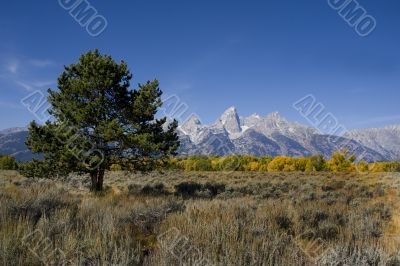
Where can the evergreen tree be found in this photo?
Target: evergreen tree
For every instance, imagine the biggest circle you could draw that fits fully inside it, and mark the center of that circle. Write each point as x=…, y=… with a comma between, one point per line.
x=98, y=121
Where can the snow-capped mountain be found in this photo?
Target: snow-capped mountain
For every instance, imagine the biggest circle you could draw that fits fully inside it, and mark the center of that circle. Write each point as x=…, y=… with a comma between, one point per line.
x=269, y=135
x=255, y=135
x=230, y=121
x=384, y=140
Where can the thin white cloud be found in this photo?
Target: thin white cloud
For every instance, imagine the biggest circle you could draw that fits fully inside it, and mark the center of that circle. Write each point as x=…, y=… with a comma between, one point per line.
x=14, y=64
x=41, y=63
x=12, y=67
x=34, y=85
x=25, y=85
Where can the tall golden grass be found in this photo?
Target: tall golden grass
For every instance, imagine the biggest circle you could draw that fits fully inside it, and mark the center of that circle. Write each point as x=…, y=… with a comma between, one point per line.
x=202, y=218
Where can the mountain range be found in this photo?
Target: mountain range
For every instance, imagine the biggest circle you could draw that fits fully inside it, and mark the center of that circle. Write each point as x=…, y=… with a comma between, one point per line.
x=12, y=142
x=275, y=135
x=255, y=135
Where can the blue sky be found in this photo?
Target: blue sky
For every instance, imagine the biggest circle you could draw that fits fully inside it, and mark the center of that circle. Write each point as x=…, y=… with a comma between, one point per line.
x=260, y=56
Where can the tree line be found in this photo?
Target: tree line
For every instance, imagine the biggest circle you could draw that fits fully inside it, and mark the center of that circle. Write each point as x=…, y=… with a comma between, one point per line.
x=340, y=161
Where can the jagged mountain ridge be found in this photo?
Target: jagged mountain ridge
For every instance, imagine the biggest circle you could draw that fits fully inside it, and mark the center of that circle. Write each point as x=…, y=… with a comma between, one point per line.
x=255, y=135
x=270, y=135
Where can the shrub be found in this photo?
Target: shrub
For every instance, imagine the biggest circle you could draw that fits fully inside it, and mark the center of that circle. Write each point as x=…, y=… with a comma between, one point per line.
x=327, y=231
x=313, y=218
x=381, y=209
x=333, y=185
x=214, y=188
x=284, y=222
x=8, y=163
x=187, y=189
x=135, y=189
x=157, y=189
x=40, y=200
x=340, y=219
x=115, y=167
x=309, y=196
x=147, y=217
x=192, y=189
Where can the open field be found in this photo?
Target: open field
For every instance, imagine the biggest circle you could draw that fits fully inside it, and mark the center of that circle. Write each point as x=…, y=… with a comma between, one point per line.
x=202, y=218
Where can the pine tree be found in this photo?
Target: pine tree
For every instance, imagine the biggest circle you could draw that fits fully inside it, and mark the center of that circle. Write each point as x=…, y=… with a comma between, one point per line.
x=99, y=121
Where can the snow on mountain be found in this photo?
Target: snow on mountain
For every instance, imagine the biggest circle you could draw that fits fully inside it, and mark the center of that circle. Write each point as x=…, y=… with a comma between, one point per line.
x=13, y=130
x=384, y=140
x=230, y=121
x=191, y=127
x=269, y=135
x=255, y=135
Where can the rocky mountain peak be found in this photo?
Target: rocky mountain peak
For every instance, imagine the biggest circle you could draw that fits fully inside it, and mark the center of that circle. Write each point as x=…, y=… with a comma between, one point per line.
x=249, y=121
x=275, y=116
x=191, y=125
x=193, y=120
x=230, y=121
x=393, y=127
x=276, y=121
x=255, y=115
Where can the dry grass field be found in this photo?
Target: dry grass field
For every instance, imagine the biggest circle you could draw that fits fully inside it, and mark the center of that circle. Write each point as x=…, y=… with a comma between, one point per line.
x=202, y=218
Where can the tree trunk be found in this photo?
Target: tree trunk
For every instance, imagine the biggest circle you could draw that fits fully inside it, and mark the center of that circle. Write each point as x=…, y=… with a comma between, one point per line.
x=97, y=178
x=94, y=181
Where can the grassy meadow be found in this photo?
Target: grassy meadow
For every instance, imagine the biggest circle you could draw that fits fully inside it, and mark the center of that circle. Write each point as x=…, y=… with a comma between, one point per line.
x=202, y=218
